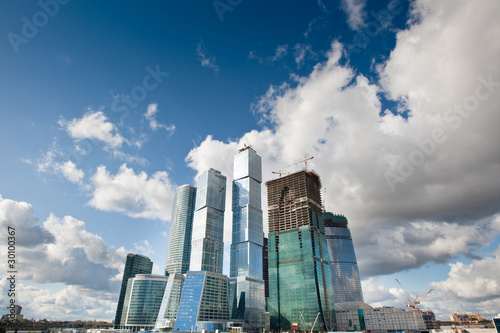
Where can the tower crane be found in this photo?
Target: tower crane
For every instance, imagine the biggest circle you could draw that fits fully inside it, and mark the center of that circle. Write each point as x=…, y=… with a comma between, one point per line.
x=416, y=301
x=304, y=160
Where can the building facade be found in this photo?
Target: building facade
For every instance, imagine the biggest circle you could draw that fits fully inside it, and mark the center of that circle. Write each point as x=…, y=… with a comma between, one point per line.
x=170, y=303
x=181, y=226
x=380, y=320
x=134, y=264
x=142, y=301
x=247, y=297
x=300, y=285
x=346, y=282
x=207, y=243
x=204, y=302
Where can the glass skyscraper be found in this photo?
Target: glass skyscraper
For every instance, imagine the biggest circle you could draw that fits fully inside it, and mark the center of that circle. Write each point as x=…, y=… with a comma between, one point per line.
x=204, y=303
x=142, y=301
x=346, y=282
x=135, y=264
x=207, y=244
x=300, y=285
x=246, y=283
x=181, y=226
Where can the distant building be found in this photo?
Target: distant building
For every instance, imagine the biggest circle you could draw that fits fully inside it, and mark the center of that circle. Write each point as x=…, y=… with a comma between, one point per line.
x=204, y=302
x=300, y=285
x=207, y=241
x=380, y=320
x=246, y=284
x=346, y=282
x=134, y=264
x=181, y=226
x=465, y=317
x=142, y=301
x=14, y=313
x=430, y=321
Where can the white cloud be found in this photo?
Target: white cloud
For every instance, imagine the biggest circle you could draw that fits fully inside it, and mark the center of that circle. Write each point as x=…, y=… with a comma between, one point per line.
x=94, y=125
x=79, y=273
x=71, y=172
x=150, y=115
x=280, y=52
x=355, y=13
x=135, y=195
x=302, y=53
x=205, y=59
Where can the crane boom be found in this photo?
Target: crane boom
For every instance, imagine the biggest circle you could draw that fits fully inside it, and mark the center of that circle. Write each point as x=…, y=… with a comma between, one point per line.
x=416, y=302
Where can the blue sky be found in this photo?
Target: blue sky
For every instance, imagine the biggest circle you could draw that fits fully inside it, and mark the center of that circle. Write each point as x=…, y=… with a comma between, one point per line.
x=108, y=107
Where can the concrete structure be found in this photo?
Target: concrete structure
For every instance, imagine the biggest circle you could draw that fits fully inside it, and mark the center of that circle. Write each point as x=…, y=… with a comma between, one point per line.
x=204, y=303
x=207, y=243
x=142, y=301
x=380, y=320
x=346, y=282
x=134, y=264
x=300, y=285
x=181, y=226
x=246, y=285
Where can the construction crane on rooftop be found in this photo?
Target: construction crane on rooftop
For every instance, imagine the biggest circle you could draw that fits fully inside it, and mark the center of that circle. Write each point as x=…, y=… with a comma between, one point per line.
x=289, y=165
x=416, y=301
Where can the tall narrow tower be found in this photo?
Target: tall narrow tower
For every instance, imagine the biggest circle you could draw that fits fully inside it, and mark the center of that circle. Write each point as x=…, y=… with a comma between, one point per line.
x=181, y=226
x=207, y=241
x=346, y=282
x=300, y=286
x=135, y=264
x=246, y=283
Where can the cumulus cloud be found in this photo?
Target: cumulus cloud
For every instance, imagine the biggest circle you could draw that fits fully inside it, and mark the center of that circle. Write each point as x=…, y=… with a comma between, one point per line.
x=61, y=250
x=94, y=125
x=355, y=12
x=302, y=53
x=430, y=178
x=150, y=116
x=50, y=163
x=205, y=59
x=136, y=195
x=20, y=216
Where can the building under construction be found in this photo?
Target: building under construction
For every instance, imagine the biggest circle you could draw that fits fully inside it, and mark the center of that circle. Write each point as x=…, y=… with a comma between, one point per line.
x=300, y=284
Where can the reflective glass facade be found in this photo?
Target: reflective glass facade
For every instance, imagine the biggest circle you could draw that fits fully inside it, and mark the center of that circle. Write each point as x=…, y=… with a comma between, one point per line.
x=204, y=302
x=135, y=264
x=300, y=285
x=346, y=282
x=171, y=300
x=207, y=244
x=181, y=226
x=246, y=283
x=142, y=301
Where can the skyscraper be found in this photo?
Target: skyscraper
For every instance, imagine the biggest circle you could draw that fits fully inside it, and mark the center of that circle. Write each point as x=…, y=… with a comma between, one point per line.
x=246, y=282
x=207, y=244
x=300, y=288
x=346, y=282
x=135, y=264
x=181, y=226
x=142, y=301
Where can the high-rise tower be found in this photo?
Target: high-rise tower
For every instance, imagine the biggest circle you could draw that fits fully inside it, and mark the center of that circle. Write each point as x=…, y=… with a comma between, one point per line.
x=343, y=264
x=246, y=283
x=181, y=226
x=207, y=242
x=300, y=286
x=135, y=264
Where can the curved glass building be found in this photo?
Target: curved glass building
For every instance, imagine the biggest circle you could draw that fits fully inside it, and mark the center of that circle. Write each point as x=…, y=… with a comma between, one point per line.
x=346, y=282
x=181, y=226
